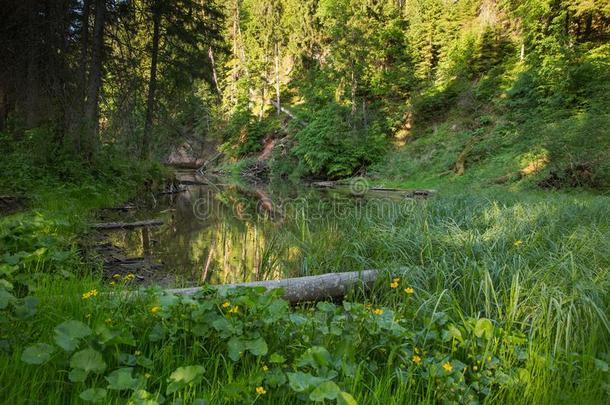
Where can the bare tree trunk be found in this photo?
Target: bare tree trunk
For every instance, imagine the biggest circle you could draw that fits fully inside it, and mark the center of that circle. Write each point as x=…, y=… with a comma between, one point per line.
x=77, y=133
x=84, y=46
x=311, y=288
x=32, y=94
x=214, y=75
x=277, y=77
x=95, y=82
x=152, y=84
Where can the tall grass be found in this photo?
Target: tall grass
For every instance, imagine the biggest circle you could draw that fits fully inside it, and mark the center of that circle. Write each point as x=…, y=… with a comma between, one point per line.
x=534, y=264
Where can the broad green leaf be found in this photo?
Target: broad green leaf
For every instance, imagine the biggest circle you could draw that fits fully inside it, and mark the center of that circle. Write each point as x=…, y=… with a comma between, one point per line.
x=346, y=399
x=122, y=379
x=455, y=333
x=77, y=375
x=601, y=365
x=484, y=327
x=143, y=397
x=68, y=334
x=37, y=353
x=27, y=307
x=144, y=362
x=300, y=381
x=236, y=347
x=88, y=360
x=326, y=390
x=316, y=356
x=5, y=298
x=257, y=347
x=275, y=377
x=93, y=394
x=276, y=358
x=183, y=376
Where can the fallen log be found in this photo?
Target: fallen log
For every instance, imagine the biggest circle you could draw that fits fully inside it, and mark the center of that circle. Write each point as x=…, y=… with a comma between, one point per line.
x=126, y=225
x=304, y=289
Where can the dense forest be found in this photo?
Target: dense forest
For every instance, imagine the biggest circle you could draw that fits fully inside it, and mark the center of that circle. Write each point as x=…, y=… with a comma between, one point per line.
x=338, y=83
x=484, y=122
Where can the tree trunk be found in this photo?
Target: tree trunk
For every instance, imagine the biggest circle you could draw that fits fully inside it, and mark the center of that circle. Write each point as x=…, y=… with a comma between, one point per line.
x=84, y=46
x=277, y=77
x=77, y=134
x=304, y=289
x=95, y=82
x=152, y=84
x=214, y=75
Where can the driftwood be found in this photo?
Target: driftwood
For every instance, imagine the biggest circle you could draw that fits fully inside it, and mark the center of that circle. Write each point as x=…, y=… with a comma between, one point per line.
x=127, y=225
x=303, y=289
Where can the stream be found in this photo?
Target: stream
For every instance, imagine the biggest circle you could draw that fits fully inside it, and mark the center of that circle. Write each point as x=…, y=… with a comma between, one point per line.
x=233, y=233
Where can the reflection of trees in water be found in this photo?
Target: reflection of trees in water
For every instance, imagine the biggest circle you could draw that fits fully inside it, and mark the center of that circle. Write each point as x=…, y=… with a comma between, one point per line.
x=247, y=234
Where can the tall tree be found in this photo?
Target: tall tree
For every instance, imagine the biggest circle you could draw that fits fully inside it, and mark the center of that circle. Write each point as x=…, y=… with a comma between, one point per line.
x=95, y=81
x=152, y=82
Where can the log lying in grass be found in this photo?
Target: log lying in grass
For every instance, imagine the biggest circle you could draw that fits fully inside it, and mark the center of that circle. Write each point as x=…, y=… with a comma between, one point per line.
x=409, y=193
x=127, y=225
x=303, y=289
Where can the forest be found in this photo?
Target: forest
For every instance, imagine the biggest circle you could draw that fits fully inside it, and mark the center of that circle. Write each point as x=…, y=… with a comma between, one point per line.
x=164, y=162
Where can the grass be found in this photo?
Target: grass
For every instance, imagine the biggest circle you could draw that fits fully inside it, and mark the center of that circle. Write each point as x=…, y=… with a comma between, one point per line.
x=536, y=265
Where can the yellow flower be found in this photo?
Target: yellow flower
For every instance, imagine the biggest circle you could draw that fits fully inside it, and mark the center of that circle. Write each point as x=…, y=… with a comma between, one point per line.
x=260, y=391
x=448, y=367
x=137, y=353
x=394, y=284
x=146, y=375
x=129, y=277
x=416, y=359
x=396, y=279
x=234, y=310
x=155, y=309
x=116, y=276
x=226, y=304
x=113, y=283
x=265, y=368
x=90, y=294
x=409, y=290
x=475, y=368
x=518, y=243
x=378, y=311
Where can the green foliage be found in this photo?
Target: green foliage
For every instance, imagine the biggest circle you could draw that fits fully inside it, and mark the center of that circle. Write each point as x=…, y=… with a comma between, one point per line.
x=244, y=133
x=331, y=146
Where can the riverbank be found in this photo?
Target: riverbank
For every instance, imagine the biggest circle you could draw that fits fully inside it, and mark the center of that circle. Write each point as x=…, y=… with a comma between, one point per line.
x=503, y=298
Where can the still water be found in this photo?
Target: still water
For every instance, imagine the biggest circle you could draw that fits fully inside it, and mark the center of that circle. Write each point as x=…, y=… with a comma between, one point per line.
x=237, y=232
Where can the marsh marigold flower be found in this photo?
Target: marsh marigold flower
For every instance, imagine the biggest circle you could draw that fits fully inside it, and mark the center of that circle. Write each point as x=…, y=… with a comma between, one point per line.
x=394, y=284
x=234, y=310
x=154, y=310
x=90, y=294
x=409, y=290
x=260, y=391
x=378, y=311
x=518, y=243
x=448, y=367
x=226, y=304
x=416, y=359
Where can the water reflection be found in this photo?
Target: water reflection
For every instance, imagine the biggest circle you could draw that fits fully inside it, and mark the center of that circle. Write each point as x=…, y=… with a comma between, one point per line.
x=240, y=233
